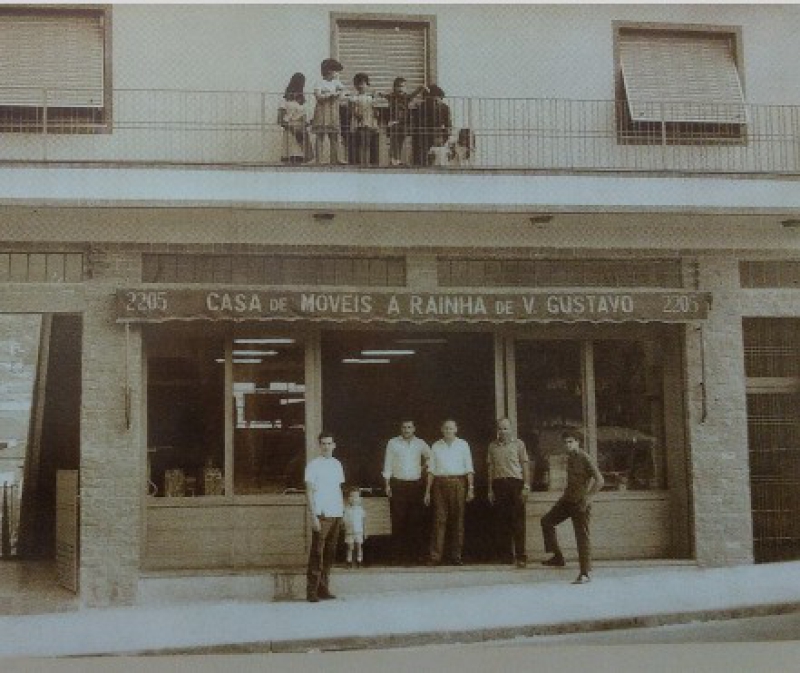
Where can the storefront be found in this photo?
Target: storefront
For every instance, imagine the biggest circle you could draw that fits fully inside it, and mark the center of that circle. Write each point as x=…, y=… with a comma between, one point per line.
x=237, y=384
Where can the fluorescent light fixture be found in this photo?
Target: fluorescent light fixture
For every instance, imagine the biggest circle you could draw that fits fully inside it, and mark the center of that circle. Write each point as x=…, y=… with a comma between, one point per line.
x=247, y=361
x=237, y=353
x=366, y=361
x=270, y=340
x=292, y=401
x=420, y=341
x=388, y=353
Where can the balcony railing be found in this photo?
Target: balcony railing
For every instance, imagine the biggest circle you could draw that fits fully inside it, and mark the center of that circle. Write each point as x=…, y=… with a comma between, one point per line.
x=242, y=128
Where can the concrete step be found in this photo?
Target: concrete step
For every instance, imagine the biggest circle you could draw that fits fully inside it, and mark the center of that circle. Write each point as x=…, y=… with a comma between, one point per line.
x=176, y=587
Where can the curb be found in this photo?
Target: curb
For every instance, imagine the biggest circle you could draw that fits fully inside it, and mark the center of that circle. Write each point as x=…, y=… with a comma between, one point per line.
x=417, y=639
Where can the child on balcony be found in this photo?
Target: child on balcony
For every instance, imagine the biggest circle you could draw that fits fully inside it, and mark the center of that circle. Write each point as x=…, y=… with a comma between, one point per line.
x=354, y=528
x=433, y=124
x=292, y=118
x=399, y=118
x=363, y=123
x=326, y=121
x=463, y=149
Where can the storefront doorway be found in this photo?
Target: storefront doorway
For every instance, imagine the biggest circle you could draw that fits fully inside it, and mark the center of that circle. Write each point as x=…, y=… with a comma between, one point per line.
x=40, y=395
x=373, y=379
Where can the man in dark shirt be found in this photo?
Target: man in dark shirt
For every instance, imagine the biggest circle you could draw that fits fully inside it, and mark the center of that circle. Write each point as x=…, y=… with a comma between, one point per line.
x=583, y=481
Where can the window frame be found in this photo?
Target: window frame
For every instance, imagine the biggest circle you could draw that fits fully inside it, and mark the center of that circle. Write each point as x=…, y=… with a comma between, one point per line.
x=426, y=21
x=66, y=121
x=629, y=132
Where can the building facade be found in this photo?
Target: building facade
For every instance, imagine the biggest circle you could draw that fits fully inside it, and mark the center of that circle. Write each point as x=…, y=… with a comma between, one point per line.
x=617, y=252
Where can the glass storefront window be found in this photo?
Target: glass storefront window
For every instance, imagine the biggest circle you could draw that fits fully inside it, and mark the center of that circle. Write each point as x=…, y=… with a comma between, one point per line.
x=185, y=413
x=549, y=401
x=628, y=393
x=269, y=395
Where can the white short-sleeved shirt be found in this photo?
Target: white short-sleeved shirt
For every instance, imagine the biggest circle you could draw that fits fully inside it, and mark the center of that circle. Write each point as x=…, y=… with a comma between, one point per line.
x=403, y=459
x=325, y=476
x=454, y=460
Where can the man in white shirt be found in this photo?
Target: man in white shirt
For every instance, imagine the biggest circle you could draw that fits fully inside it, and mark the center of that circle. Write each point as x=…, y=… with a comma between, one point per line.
x=451, y=478
x=324, y=478
x=406, y=455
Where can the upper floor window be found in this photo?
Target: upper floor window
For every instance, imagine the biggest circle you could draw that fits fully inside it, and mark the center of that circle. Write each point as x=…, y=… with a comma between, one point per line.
x=678, y=85
x=385, y=47
x=54, y=74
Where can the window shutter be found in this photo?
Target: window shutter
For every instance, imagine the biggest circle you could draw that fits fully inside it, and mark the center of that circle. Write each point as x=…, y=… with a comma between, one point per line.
x=62, y=54
x=384, y=50
x=681, y=78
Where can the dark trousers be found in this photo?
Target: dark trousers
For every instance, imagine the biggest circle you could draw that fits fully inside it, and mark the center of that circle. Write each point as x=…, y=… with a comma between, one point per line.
x=322, y=555
x=363, y=147
x=405, y=508
x=449, y=497
x=580, y=513
x=510, y=511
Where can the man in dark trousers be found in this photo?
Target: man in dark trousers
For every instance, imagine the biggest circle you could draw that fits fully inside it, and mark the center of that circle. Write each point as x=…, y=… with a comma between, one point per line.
x=324, y=478
x=509, y=485
x=406, y=456
x=583, y=481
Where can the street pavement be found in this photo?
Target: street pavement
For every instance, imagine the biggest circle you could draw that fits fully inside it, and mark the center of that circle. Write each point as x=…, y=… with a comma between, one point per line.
x=386, y=620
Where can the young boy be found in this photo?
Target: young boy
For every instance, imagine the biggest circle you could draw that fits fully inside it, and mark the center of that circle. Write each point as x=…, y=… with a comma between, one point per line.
x=354, y=528
x=583, y=481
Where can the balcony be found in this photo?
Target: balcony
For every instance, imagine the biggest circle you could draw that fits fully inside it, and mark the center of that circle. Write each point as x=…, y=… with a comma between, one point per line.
x=239, y=128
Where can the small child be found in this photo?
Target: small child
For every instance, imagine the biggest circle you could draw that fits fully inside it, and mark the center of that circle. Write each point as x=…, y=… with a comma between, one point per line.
x=354, y=528
x=363, y=123
x=440, y=153
x=463, y=148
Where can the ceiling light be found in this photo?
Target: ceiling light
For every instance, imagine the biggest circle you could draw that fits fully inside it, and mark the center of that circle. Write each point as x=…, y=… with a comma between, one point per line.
x=271, y=340
x=247, y=361
x=388, y=352
x=238, y=352
x=366, y=361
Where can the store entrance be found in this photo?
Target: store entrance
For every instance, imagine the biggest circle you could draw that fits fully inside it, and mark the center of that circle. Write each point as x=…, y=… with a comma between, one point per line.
x=373, y=379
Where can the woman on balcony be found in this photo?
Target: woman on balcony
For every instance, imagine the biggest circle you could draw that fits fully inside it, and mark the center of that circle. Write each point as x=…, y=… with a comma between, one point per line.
x=326, y=120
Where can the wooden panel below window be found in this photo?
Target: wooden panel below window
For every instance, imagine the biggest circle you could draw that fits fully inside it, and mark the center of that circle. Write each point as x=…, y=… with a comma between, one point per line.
x=225, y=535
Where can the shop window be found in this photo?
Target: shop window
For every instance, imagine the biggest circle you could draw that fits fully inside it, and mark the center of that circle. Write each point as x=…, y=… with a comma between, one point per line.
x=628, y=396
x=678, y=85
x=269, y=395
x=549, y=383
x=185, y=413
x=54, y=69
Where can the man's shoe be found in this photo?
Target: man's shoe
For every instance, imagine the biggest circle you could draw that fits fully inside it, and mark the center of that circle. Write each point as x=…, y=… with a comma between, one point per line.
x=521, y=564
x=311, y=598
x=327, y=597
x=582, y=579
x=555, y=561
x=457, y=562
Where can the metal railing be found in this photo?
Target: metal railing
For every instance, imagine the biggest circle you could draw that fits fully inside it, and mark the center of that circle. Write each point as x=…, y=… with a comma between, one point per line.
x=242, y=128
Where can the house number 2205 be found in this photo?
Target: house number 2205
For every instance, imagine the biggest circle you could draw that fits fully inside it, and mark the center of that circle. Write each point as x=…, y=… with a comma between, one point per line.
x=142, y=302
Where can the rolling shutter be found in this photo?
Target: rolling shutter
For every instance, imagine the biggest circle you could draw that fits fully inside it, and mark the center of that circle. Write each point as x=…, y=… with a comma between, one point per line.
x=681, y=78
x=62, y=54
x=384, y=50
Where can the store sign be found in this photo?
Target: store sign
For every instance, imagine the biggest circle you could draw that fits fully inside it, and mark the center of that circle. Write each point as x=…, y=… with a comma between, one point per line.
x=156, y=305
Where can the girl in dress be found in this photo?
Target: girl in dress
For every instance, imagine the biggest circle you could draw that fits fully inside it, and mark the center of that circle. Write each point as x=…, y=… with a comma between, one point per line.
x=328, y=93
x=292, y=117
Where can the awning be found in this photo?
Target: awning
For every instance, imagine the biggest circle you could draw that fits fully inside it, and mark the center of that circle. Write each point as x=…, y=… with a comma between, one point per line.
x=681, y=78
x=160, y=304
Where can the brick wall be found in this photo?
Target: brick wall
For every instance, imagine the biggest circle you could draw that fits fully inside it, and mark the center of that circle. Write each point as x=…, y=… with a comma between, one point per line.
x=719, y=470
x=111, y=456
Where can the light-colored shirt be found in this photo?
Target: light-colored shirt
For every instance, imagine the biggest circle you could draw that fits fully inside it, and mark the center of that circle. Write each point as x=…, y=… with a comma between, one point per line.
x=354, y=520
x=404, y=458
x=506, y=459
x=325, y=476
x=453, y=460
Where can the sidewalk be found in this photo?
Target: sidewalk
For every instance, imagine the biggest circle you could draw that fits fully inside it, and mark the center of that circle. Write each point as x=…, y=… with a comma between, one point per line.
x=412, y=618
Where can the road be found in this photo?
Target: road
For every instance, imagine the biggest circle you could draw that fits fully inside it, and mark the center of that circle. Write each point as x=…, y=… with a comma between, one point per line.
x=752, y=629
